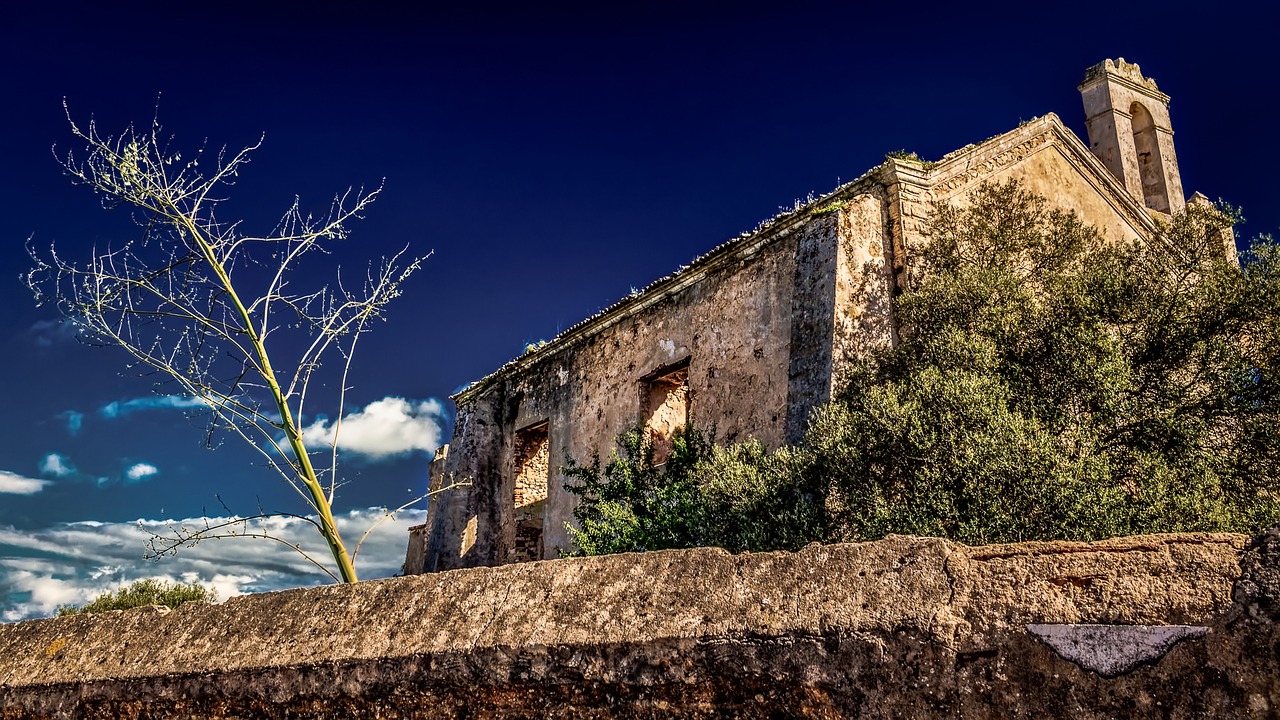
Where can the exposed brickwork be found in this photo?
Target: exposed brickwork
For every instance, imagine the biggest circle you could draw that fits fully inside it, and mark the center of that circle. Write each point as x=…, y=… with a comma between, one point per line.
x=532, y=463
x=529, y=526
x=665, y=409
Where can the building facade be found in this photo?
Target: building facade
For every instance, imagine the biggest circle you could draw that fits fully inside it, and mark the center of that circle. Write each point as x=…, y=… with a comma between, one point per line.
x=756, y=333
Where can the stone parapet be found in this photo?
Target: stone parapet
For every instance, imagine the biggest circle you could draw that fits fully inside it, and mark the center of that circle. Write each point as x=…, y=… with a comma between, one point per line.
x=903, y=627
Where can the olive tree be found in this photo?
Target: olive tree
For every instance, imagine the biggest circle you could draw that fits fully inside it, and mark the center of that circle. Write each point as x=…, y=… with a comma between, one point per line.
x=221, y=314
x=1052, y=384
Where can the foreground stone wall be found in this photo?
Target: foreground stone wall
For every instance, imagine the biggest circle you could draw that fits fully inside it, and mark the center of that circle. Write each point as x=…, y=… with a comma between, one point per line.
x=904, y=627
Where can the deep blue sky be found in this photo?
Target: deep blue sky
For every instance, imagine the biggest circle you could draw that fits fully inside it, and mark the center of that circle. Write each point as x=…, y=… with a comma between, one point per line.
x=552, y=155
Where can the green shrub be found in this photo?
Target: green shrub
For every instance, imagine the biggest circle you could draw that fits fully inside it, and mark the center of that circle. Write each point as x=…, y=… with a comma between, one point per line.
x=633, y=504
x=755, y=500
x=737, y=497
x=143, y=593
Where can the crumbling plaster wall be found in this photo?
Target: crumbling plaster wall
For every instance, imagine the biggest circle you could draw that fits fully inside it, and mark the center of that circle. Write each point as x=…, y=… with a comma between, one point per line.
x=764, y=331
x=865, y=280
x=903, y=627
x=755, y=328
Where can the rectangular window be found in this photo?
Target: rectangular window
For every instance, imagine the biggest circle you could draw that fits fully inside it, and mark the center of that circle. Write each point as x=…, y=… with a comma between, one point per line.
x=664, y=405
x=532, y=469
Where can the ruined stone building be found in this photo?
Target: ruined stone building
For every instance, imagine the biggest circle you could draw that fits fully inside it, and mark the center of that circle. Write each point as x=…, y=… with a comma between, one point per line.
x=756, y=333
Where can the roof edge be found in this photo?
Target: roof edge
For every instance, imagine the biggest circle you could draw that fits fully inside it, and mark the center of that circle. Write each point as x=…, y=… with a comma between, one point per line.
x=926, y=172
x=744, y=245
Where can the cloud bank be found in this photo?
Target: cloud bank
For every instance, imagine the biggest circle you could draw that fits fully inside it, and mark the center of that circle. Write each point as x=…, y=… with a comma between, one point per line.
x=382, y=429
x=16, y=484
x=73, y=563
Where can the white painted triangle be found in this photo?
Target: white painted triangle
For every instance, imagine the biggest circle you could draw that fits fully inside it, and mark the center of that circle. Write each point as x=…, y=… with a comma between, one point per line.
x=1112, y=650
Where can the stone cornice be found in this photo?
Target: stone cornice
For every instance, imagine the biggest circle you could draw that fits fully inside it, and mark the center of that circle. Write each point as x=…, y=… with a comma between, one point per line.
x=960, y=170
x=1122, y=73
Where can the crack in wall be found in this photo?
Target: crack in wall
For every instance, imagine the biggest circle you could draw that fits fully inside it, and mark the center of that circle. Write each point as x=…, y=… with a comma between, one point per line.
x=495, y=610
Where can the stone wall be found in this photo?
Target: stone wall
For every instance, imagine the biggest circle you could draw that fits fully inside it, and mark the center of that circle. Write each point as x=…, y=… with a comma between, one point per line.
x=437, y=482
x=1172, y=626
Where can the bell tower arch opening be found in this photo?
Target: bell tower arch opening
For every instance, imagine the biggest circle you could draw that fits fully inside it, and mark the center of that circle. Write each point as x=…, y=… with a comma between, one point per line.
x=1146, y=146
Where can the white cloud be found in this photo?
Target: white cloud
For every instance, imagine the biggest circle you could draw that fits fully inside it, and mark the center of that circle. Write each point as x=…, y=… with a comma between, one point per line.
x=140, y=471
x=383, y=428
x=47, y=333
x=57, y=465
x=74, y=421
x=72, y=563
x=120, y=408
x=16, y=484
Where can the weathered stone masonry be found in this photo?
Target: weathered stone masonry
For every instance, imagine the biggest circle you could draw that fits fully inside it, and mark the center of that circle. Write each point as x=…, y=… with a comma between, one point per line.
x=755, y=334
x=1169, y=626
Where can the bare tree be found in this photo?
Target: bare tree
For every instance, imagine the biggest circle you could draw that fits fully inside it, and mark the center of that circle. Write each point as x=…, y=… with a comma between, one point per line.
x=205, y=306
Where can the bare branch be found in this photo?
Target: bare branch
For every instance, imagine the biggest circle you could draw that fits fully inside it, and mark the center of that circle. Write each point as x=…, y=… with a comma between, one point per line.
x=210, y=309
x=391, y=514
x=236, y=527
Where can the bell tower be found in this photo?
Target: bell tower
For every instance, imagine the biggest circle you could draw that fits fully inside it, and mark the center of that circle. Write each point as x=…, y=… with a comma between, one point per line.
x=1128, y=122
